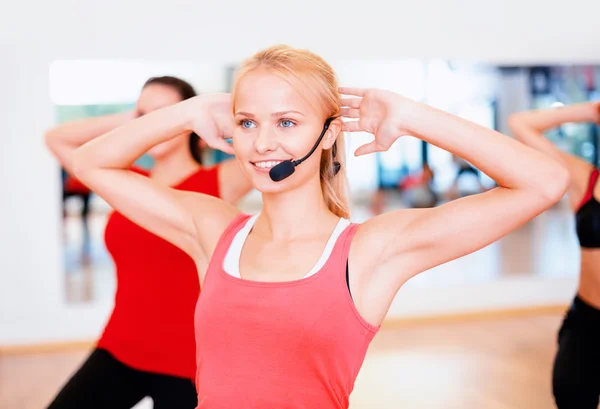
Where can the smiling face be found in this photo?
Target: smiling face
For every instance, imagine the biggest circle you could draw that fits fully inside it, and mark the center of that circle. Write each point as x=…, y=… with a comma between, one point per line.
x=282, y=97
x=274, y=122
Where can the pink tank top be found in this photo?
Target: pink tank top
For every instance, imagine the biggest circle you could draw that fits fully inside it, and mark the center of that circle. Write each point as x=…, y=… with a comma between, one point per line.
x=285, y=345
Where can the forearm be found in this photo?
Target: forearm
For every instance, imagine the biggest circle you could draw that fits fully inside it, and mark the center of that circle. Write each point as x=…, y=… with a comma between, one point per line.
x=529, y=126
x=72, y=135
x=120, y=147
x=545, y=119
x=511, y=164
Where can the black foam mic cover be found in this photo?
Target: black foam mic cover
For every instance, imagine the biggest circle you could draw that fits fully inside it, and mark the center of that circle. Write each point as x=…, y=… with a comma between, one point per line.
x=282, y=170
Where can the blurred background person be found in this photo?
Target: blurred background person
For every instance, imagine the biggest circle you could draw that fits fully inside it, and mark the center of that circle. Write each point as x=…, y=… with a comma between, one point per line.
x=147, y=347
x=466, y=182
x=576, y=374
x=418, y=188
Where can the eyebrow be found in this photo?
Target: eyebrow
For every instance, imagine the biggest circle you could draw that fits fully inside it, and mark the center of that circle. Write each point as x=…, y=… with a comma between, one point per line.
x=274, y=114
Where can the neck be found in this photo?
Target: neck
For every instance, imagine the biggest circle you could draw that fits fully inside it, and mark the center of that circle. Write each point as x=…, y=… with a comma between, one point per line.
x=299, y=213
x=174, y=167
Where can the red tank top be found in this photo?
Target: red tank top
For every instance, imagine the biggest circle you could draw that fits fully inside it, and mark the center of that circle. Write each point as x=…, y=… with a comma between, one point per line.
x=285, y=345
x=152, y=324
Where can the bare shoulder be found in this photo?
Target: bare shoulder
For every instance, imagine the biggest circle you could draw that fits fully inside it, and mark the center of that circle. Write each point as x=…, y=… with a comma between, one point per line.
x=579, y=171
x=373, y=279
x=211, y=216
x=374, y=235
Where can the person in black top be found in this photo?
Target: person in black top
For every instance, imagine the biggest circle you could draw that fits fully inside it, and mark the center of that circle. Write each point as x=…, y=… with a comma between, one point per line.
x=576, y=377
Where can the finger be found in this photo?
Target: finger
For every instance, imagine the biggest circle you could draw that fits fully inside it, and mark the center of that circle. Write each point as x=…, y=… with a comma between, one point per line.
x=225, y=124
x=350, y=112
x=351, y=126
x=351, y=102
x=358, y=92
x=367, y=148
x=221, y=145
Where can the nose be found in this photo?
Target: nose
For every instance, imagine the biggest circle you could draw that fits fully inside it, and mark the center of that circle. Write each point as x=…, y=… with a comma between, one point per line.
x=265, y=142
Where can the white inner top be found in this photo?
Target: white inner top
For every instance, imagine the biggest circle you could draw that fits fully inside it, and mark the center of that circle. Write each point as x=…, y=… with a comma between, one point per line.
x=231, y=264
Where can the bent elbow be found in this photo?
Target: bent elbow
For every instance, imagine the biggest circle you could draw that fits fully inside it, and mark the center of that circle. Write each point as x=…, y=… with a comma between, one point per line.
x=80, y=164
x=50, y=139
x=555, y=184
x=514, y=124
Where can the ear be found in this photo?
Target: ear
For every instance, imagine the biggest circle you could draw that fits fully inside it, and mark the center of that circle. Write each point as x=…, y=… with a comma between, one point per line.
x=335, y=127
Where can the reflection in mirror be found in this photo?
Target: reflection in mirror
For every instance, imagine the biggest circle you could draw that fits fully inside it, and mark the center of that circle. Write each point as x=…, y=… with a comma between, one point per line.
x=411, y=174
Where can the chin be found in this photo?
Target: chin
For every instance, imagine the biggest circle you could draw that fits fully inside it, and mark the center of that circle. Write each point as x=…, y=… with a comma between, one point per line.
x=264, y=184
x=273, y=187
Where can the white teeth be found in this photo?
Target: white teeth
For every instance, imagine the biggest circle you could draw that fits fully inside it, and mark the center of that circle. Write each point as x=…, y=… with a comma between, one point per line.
x=266, y=164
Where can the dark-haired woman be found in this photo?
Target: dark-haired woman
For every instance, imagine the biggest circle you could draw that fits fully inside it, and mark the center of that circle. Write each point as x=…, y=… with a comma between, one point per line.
x=147, y=347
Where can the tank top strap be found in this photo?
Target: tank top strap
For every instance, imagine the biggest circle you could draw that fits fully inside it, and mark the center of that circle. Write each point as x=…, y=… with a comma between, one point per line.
x=590, y=188
x=593, y=180
x=342, y=249
x=339, y=284
x=216, y=261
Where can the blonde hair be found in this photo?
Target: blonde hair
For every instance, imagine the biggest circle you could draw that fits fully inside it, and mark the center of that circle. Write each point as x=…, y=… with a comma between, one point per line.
x=319, y=82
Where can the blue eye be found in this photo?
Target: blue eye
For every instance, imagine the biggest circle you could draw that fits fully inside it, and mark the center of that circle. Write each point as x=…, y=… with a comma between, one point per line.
x=286, y=123
x=247, y=124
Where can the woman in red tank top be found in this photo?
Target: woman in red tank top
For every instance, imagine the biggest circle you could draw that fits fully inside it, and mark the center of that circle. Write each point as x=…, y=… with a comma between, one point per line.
x=147, y=347
x=292, y=298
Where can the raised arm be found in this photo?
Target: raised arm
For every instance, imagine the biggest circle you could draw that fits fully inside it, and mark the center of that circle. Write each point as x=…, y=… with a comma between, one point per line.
x=403, y=243
x=191, y=221
x=64, y=139
x=529, y=128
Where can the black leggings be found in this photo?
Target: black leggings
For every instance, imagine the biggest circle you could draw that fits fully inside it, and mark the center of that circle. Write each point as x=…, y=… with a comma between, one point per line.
x=105, y=383
x=576, y=377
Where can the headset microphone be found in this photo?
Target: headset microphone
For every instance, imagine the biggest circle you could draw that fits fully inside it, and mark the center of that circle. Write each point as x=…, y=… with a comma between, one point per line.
x=286, y=168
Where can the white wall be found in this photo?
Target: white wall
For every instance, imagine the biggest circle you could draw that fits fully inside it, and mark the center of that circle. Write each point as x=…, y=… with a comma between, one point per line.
x=79, y=82
x=33, y=34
